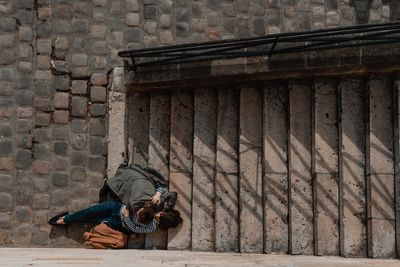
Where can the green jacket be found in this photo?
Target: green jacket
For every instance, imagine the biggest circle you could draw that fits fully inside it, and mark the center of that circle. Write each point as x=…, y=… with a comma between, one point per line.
x=136, y=184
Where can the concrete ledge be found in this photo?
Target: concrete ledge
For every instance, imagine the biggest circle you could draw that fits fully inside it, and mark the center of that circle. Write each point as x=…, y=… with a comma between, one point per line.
x=359, y=60
x=46, y=257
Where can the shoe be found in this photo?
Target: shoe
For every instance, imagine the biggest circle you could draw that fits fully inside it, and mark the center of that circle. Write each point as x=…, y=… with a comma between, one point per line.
x=53, y=221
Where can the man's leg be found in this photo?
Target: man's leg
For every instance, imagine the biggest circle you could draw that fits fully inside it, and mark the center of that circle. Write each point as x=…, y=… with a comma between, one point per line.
x=94, y=213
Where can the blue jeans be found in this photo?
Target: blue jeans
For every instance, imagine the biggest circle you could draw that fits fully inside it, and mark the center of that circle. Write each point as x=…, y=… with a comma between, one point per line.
x=108, y=212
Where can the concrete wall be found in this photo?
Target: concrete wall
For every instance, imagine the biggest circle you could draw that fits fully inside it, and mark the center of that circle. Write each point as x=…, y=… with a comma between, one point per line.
x=298, y=166
x=58, y=103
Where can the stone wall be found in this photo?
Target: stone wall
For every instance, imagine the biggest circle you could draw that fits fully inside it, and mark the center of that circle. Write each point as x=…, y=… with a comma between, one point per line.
x=55, y=62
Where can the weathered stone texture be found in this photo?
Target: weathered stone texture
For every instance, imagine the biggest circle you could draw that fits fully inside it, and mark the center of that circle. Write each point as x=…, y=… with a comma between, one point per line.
x=250, y=176
x=203, y=231
x=180, y=166
x=275, y=168
x=353, y=228
x=301, y=208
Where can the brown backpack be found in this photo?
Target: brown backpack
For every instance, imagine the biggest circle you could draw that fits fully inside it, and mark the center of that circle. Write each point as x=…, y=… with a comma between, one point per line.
x=102, y=236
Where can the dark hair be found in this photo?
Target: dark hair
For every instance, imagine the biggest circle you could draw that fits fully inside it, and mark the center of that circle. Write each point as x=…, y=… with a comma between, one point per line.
x=168, y=219
x=147, y=214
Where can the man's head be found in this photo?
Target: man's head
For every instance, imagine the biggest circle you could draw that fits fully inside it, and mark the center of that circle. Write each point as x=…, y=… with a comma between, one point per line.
x=168, y=219
x=146, y=214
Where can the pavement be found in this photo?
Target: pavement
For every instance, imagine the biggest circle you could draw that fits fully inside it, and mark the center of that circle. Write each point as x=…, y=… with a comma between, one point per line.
x=47, y=257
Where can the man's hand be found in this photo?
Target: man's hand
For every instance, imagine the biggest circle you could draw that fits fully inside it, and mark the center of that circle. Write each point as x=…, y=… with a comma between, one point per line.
x=126, y=212
x=156, y=199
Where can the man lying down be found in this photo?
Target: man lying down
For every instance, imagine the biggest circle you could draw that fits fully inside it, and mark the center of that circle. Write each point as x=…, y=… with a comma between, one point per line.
x=135, y=200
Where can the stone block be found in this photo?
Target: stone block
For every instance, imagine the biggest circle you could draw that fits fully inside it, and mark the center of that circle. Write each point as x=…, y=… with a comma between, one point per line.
x=98, y=146
x=79, y=87
x=61, y=83
x=98, y=94
x=7, y=56
x=44, y=46
x=24, y=194
x=42, y=135
x=98, y=110
x=78, y=174
x=7, y=74
x=97, y=164
x=132, y=19
x=61, y=116
x=80, y=25
x=78, y=106
x=61, y=43
x=78, y=158
x=61, y=100
x=6, y=147
x=5, y=220
x=25, y=67
x=43, y=119
x=98, y=31
x=41, y=185
x=44, y=13
x=132, y=5
x=62, y=27
x=60, y=179
x=78, y=126
x=23, y=214
x=6, y=164
x=60, y=164
x=133, y=35
x=79, y=59
x=7, y=40
x=41, y=201
x=25, y=16
x=24, y=98
x=6, y=202
x=100, y=48
x=59, y=197
x=6, y=89
x=44, y=30
x=43, y=62
x=41, y=167
x=24, y=141
x=5, y=182
x=23, y=177
x=60, y=133
x=60, y=148
x=23, y=234
x=99, y=79
x=5, y=130
x=97, y=127
x=8, y=24
x=23, y=159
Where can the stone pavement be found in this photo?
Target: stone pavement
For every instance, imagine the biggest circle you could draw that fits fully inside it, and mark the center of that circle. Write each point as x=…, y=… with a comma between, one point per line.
x=89, y=257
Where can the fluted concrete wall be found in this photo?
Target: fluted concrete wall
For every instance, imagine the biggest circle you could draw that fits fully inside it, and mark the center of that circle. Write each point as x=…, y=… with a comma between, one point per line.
x=300, y=166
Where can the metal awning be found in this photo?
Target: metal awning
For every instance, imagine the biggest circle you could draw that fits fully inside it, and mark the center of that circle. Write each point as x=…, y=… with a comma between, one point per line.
x=268, y=45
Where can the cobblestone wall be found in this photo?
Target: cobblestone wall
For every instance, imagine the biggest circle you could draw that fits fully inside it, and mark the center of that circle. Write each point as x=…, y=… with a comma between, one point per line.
x=55, y=58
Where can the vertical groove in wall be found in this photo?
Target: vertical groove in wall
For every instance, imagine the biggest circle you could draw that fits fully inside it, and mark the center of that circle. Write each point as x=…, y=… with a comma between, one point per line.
x=396, y=160
x=203, y=170
x=251, y=216
x=313, y=173
x=301, y=207
x=180, y=166
x=381, y=176
x=289, y=167
x=275, y=165
x=367, y=166
x=158, y=151
x=339, y=111
x=226, y=181
x=326, y=167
